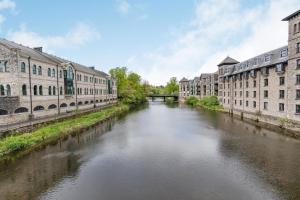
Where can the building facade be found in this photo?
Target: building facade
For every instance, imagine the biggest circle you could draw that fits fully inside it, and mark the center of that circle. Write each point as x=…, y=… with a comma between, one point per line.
x=35, y=84
x=265, y=86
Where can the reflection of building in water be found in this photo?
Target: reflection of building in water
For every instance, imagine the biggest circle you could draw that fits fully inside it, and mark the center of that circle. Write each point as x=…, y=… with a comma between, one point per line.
x=32, y=175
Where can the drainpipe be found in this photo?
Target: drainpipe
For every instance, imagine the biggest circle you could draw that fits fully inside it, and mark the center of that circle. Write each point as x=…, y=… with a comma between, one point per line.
x=94, y=91
x=58, y=90
x=76, y=90
x=30, y=87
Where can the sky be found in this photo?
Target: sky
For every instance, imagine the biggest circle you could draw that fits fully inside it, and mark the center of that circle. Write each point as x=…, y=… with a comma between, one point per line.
x=158, y=39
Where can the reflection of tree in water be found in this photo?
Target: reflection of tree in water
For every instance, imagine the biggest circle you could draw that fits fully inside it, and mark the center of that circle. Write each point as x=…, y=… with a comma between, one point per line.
x=30, y=176
x=270, y=156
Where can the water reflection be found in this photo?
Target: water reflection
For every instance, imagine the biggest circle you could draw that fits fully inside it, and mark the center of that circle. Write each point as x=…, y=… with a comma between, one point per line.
x=161, y=153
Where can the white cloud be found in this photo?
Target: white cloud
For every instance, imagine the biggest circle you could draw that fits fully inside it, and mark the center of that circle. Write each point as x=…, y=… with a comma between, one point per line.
x=79, y=35
x=219, y=28
x=123, y=6
x=7, y=4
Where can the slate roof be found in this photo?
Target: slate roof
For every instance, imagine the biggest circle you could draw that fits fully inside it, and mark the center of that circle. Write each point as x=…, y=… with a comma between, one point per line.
x=183, y=80
x=291, y=16
x=48, y=58
x=228, y=61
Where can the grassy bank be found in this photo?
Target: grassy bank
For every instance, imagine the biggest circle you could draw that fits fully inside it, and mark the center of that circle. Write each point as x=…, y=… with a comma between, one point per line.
x=210, y=103
x=54, y=131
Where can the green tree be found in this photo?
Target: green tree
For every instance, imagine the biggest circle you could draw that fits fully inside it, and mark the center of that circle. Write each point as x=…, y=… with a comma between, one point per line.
x=172, y=86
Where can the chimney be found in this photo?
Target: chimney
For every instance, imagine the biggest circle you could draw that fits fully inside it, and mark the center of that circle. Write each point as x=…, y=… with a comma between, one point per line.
x=40, y=49
x=92, y=67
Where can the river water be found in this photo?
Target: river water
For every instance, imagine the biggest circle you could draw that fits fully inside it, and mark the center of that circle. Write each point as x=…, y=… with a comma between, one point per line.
x=160, y=153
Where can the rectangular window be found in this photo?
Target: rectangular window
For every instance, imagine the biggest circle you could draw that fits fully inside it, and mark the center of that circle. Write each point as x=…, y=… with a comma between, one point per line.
x=297, y=109
x=298, y=79
x=298, y=47
x=281, y=80
x=279, y=68
x=297, y=94
x=241, y=93
x=266, y=94
x=247, y=103
x=267, y=58
x=254, y=104
x=241, y=84
x=247, y=94
x=254, y=83
x=254, y=94
x=281, y=107
x=235, y=93
x=265, y=105
x=298, y=64
x=241, y=102
x=295, y=28
x=234, y=102
x=266, y=82
x=281, y=94
x=284, y=53
x=247, y=84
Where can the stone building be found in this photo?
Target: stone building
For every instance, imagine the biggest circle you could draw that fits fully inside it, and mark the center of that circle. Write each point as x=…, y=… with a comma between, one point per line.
x=184, y=88
x=35, y=84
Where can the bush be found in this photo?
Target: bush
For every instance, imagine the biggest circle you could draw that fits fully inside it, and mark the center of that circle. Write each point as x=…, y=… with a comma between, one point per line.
x=192, y=101
x=210, y=102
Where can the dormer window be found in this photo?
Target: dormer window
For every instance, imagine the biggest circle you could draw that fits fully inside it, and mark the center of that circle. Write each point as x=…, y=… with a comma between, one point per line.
x=265, y=71
x=253, y=73
x=255, y=61
x=284, y=53
x=267, y=58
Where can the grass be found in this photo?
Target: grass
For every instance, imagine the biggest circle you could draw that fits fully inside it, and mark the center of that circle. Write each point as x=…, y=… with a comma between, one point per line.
x=53, y=131
x=210, y=103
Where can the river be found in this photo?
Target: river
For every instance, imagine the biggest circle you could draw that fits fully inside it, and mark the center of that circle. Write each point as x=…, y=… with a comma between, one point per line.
x=160, y=153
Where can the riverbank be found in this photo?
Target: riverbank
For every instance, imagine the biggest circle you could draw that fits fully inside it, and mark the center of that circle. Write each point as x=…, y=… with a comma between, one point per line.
x=48, y=133
x=280, y=125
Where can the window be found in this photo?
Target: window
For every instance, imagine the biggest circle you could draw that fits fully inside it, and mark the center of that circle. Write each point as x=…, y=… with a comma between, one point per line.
x=247, y=84
x=24, y=90
x=34, y=70
x=49, y=91
x=61, y=90
x=266, y=94
x=298, y=79
x=247, y=103
x=265, y=105
x=265, y=71
x=298, y=64
x=284, y=53
x=54, y=90
x=40, y=70
x=241, y=84
x=35, y=90
x=297, y=109
x=267, y=58
x=53, y=72
x=254, y=83
x=3, y=66
x=235, y=93
x=247, y=94
x=295, y=28
x=266, y=82
x=241, y=102
x=281, y=80
x=281, y=94
x=234, y=102
x=241, y=93
x=281, y=107
x=49, y=72
x=254, y=104
x=2, y=90
x=8, y=90
x=298, y=47
x=297, y=94
x=23, y=67
x=40, y=90
x=254, y=94
x=279, y=68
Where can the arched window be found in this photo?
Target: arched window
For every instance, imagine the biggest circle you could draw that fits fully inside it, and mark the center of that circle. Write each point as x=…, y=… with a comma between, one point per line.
x=21, y=110
x=41, y=90
x=54, y=90
x=8, y=90
x=53, y=72
x=40, y=70
x=38, y=108
x=61, y=90
x=3, y=112
x=49, y=90
x=24, y=90
x=3, y=66
x=72, y=104
x=35, y=90
x=34, y=69
x=49, y=72
x=79, y=103
x=2, y=91
x=23, y=67
x=86, y=102
x=52, y=106
x=63, y=105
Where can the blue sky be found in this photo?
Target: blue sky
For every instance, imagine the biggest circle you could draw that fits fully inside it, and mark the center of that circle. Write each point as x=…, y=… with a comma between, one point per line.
x=158, y=39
